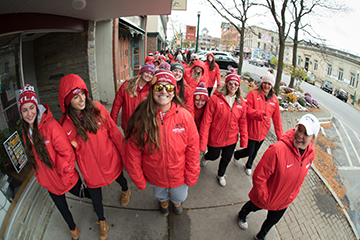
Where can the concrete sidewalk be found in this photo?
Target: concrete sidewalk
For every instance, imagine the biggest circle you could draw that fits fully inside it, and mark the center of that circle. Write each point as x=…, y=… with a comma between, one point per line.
x=210, y=210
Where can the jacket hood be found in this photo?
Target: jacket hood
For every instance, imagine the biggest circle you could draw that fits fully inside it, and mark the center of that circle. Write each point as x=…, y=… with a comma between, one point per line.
x=198, y=63
x=67, y=84
x=211, y=54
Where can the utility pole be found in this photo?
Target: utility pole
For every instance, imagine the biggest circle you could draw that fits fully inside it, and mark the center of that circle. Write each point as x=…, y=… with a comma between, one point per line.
x=197, y=32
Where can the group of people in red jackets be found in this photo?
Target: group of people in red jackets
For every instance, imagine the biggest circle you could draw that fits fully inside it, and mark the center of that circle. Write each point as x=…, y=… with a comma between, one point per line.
x=169, y=118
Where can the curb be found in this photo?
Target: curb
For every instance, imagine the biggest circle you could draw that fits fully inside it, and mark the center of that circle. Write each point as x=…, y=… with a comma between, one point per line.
x=337, y=200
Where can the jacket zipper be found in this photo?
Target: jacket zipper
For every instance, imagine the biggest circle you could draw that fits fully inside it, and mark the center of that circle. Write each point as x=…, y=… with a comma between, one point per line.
x=165, y=152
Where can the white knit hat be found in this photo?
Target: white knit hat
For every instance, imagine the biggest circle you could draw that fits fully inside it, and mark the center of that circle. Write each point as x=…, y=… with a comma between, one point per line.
x=269, y=78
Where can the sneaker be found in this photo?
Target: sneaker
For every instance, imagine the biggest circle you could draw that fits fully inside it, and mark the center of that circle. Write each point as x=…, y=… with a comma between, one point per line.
x=237, y=161
x=242, y=224
x=247, y=170
x=222, y=181
x=178, y=208
x=203, y=160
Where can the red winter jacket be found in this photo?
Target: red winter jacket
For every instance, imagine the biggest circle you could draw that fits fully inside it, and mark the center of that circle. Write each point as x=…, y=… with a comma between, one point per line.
x=278, y=177
x=221, y=124
x=99, y=158
x=213, y=75
x=193, y=82
x=257, y=108
x=199, y=112
x=189, y=99
x=178, y=161
x=127, y=103
x=64, y=176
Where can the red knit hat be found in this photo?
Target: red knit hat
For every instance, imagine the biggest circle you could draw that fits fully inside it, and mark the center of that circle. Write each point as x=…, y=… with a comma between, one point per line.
x=72, y=94
x=171, y=57
x=149, y=59
x=162, y=57
x=232, y=77
x=164, y=76
x=201, y=93
x=26, y=95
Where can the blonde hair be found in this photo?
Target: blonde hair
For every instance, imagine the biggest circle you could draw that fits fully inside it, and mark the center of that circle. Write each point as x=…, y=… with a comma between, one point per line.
x=131, y=87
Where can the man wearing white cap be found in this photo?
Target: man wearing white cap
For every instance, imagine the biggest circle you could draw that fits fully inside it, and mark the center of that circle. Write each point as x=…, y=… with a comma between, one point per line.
x=280, y=173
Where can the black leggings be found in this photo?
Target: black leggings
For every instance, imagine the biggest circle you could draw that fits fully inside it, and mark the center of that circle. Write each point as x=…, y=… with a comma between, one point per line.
x=272, y=217
x=251, y=151
x=96, y=196
x=62, y=206
x=226, y=153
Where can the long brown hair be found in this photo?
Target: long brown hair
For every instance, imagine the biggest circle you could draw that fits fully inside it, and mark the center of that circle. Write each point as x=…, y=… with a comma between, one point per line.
x=212, y=63
x=38, y=143
x=143, y=126
x=90, y=117
x=131, y=87
x=223, y=90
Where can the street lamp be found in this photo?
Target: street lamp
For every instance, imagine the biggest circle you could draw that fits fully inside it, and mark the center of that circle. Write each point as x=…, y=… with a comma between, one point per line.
x=197, y=32
x=357, y=81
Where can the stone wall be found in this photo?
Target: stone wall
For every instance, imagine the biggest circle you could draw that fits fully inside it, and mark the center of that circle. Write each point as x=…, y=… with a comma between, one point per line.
x=30, y=216
x=59, y=54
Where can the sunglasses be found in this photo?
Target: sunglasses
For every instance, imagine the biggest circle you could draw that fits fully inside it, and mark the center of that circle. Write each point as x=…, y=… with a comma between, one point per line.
x=168, y=88
x=233, y=83
x=193, y=60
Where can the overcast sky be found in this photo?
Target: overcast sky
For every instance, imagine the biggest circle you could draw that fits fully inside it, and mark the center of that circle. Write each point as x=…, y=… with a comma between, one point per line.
x=340, y=31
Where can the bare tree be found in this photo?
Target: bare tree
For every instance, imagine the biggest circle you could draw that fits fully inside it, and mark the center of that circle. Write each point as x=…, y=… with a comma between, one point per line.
x=283, y=31
x=299, y=10
x=242, y=9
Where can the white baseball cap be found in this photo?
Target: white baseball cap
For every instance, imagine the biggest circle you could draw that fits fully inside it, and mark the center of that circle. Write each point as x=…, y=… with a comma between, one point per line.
x=311, y=124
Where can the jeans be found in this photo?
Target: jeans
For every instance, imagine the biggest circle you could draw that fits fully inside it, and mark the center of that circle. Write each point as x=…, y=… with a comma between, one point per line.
x=176, y=195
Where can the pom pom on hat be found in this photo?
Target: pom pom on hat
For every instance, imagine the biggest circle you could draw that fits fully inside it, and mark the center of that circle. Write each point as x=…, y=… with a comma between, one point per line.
x=164, y=66
x=201, y=93
x=269, y=78
x=150, y=53
x=163, y=75
x=147, y=67
x=26, y=95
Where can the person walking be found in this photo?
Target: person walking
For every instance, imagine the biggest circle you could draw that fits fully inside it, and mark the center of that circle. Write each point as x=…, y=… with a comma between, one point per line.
x=280, y=174
x=183, y=90
x=49, y=153
x=213, y=71
x=224, y=118
x=131, y=93
x=262, y=105
x=162, y=144
x=196, y=74
x=97, y=141
x=200, y=98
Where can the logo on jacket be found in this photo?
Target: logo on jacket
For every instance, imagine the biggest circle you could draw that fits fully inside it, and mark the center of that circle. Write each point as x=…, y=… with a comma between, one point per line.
x=46, y=141
x=222, y=103
x=272, y=103
x=239, y=106
x=74, y=144
x=290, y=165
x=307, y=166
x=178, y=128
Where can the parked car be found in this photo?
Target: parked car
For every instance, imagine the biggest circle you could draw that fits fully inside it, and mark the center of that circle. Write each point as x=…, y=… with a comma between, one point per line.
x=256, y=61
x=341, y=94
x=226, y=62
x=327, y=86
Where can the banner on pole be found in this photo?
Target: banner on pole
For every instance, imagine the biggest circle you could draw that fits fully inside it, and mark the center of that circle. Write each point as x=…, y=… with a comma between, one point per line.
x=190, y=33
